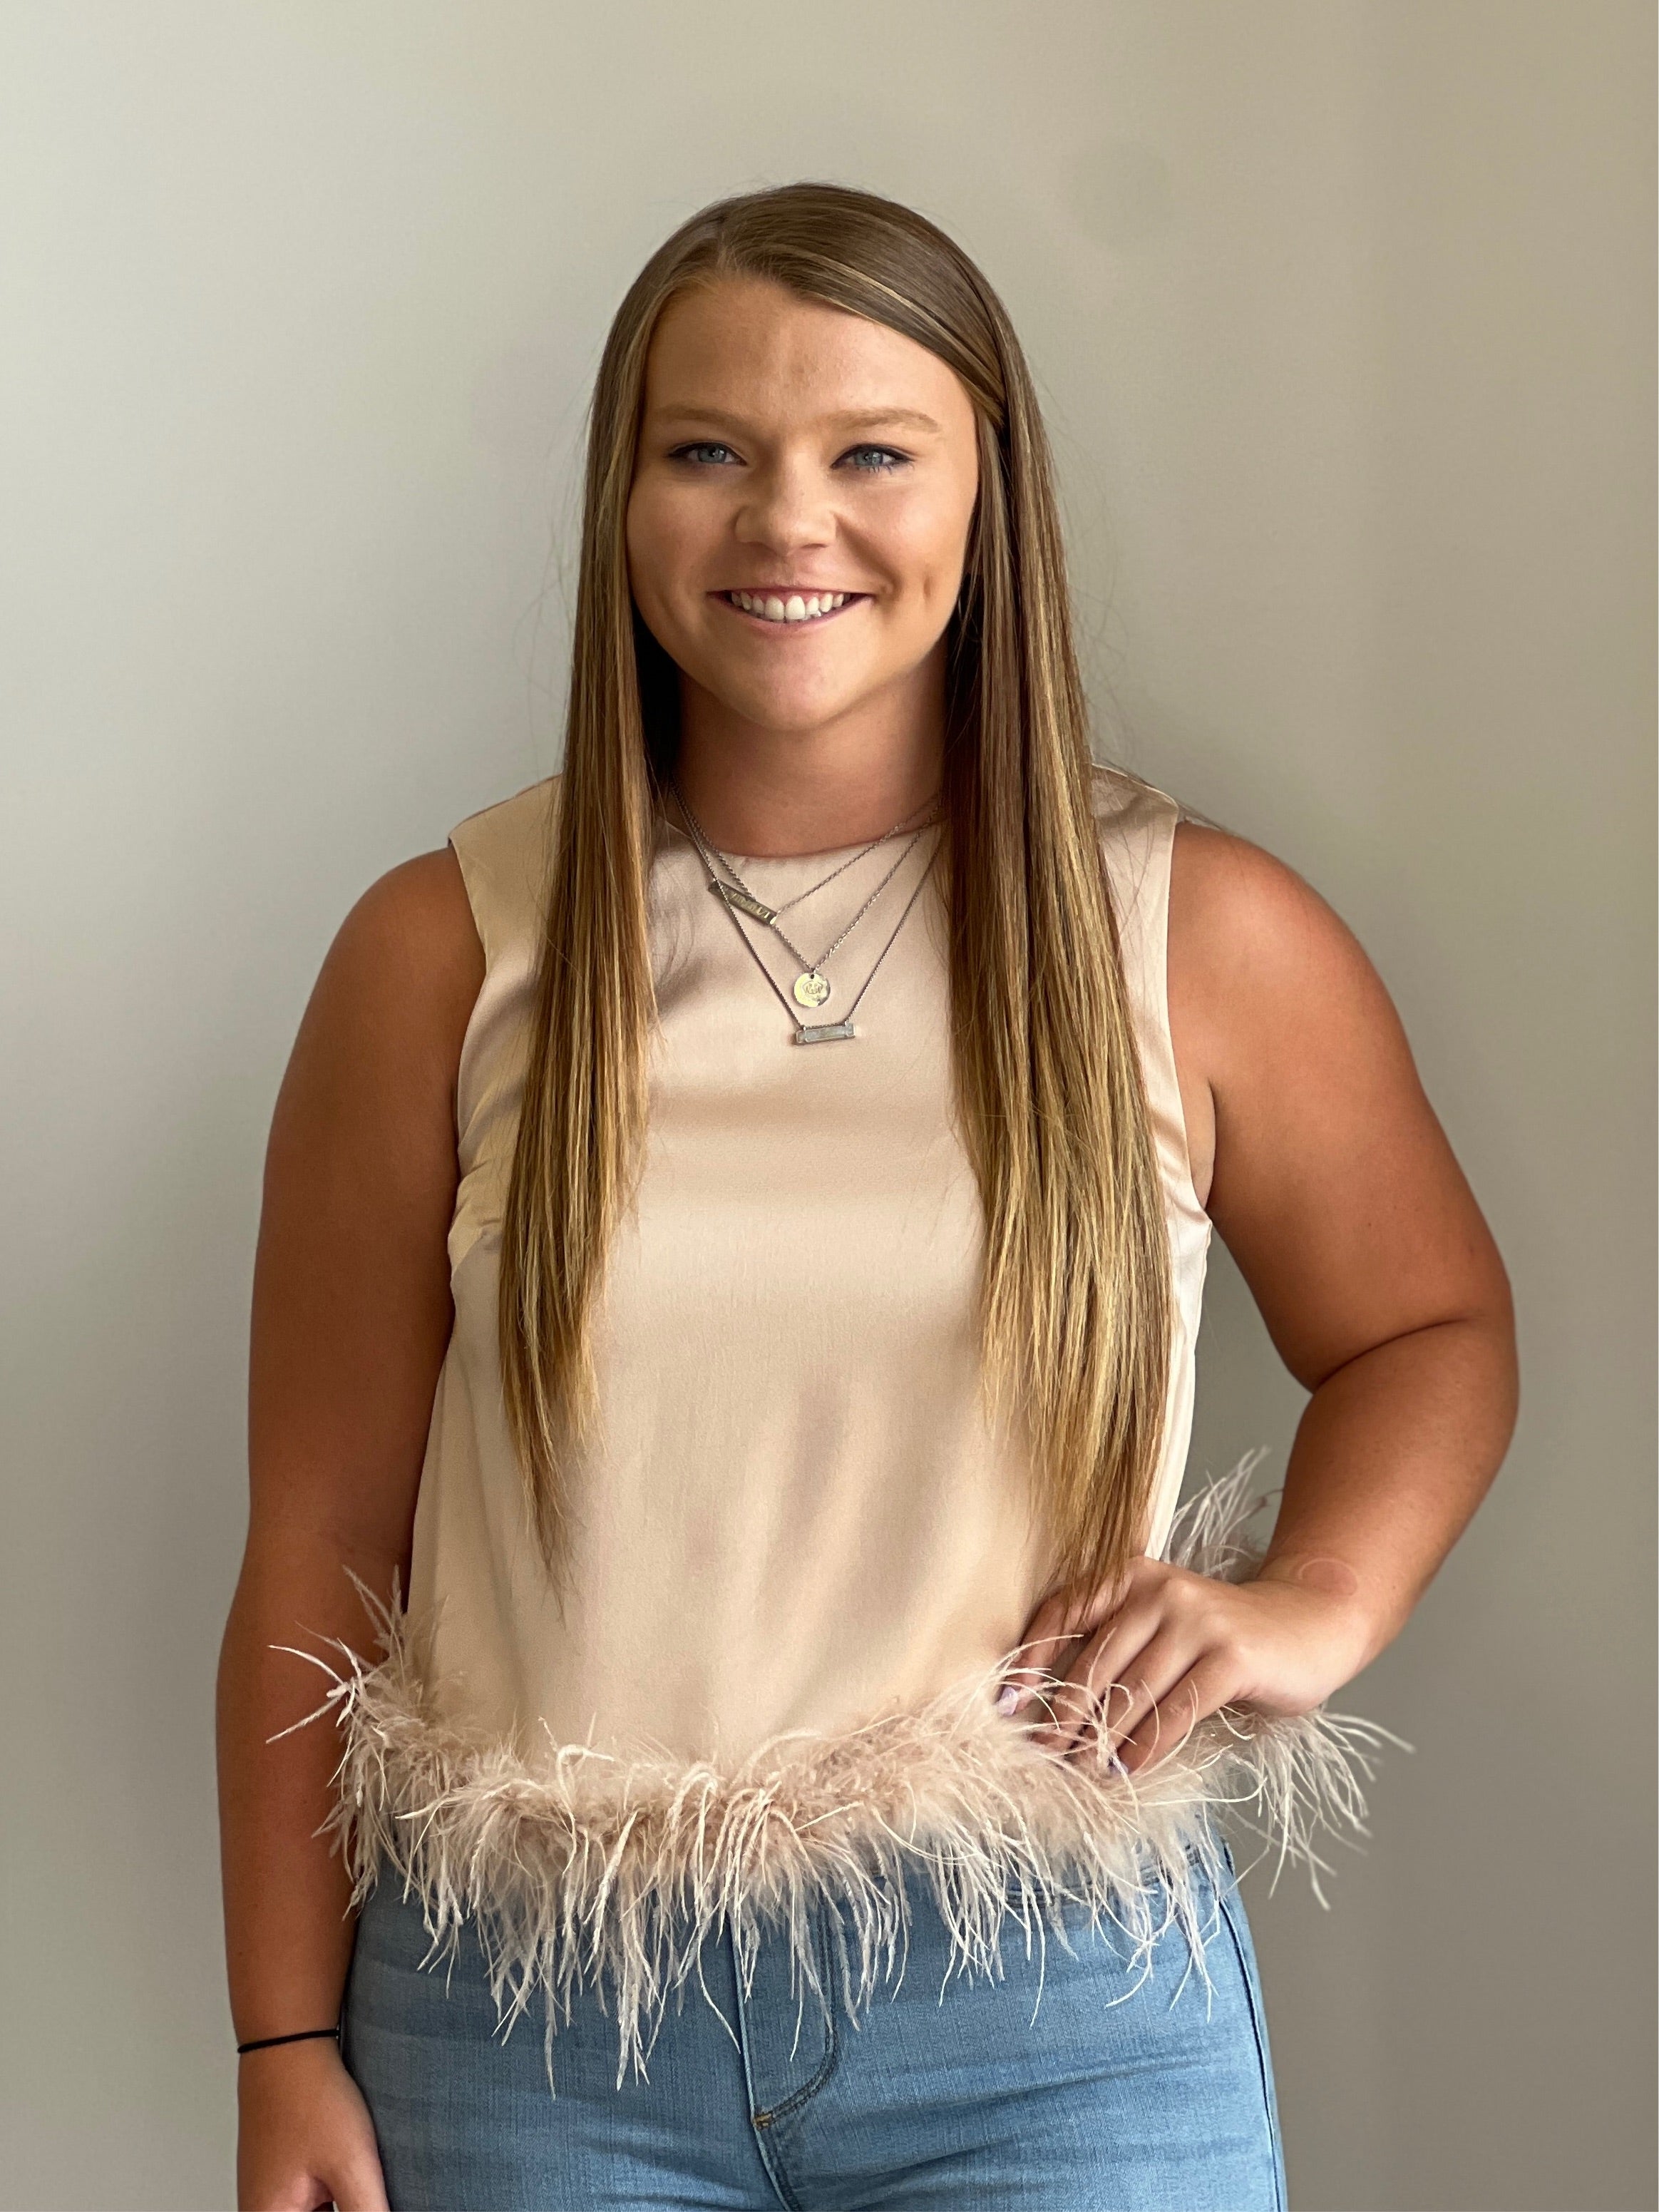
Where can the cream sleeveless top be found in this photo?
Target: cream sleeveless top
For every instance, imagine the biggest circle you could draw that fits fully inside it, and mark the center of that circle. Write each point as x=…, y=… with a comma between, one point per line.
x=801, y=1560
x=793, y=1514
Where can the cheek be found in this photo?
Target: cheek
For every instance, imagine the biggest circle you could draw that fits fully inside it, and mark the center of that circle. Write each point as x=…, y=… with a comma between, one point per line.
x=662, y=542
x=927, y=542
x=639, y=540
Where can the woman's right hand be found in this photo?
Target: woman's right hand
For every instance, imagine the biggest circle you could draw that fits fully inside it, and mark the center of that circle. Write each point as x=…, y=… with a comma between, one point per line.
x=305, y=2140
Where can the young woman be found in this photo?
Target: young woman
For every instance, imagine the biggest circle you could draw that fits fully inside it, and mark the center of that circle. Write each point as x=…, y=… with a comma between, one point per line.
x=733, y=1233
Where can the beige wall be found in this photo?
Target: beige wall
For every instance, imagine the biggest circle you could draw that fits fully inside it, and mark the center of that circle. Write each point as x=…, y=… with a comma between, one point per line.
x=1344, y=314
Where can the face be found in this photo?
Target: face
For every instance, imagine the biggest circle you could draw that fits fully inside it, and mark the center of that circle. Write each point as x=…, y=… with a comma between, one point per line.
x=794, y=458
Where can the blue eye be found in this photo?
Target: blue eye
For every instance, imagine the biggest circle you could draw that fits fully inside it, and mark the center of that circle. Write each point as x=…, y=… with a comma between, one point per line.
x=863, y=460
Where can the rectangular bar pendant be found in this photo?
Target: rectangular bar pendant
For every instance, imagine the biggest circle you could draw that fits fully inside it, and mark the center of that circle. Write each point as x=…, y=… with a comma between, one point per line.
x=742, y=900
x=823, y=1032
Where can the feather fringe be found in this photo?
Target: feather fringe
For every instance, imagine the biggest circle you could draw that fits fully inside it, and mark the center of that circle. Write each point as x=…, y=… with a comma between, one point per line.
x=584, y=1868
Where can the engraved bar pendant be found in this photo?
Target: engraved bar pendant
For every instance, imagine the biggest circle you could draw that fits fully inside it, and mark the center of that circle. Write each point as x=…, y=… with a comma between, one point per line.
x=742, y=900
x=823, y=1032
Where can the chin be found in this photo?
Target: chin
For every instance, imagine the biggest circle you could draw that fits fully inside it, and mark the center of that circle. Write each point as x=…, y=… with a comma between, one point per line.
x=798, y=720
x=798, y=709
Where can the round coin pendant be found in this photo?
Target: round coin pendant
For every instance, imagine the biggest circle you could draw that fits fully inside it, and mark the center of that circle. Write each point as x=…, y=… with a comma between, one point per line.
x=811, y=989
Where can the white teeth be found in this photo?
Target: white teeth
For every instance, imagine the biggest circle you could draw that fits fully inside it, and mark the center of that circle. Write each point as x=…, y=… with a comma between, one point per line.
x=798, y=607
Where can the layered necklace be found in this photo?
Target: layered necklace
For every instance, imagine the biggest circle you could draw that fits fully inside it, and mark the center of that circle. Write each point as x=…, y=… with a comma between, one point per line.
x=811, y=987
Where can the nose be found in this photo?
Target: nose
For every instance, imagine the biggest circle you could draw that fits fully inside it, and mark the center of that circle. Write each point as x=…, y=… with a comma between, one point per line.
x=787, y=508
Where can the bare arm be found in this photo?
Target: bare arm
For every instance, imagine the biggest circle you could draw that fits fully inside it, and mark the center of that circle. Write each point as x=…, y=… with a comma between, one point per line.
x=350, y=1320
x=1335, y=1188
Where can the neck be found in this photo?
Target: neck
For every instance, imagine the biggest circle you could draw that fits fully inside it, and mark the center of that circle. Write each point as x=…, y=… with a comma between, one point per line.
x=770, y=793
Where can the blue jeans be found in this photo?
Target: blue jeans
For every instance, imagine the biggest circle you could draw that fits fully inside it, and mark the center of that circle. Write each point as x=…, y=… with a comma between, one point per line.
x=1087, y=2094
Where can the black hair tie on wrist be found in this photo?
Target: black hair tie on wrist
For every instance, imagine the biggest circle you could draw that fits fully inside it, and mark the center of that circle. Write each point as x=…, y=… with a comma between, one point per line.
x=304, y=2035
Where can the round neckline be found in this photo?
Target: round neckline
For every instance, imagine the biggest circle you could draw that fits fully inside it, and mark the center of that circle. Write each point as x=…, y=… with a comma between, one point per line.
x=820, y=858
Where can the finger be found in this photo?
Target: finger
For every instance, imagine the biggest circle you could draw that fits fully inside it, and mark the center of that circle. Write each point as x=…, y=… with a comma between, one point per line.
x=1160, y=1732
x=1104, y=1707
x=1121, y=1675
x=361, y=2188
x=1034, y=1668
x=1062, y=1622
x=1059, y=1624
x=1165, y=1661
x=1052, y=1637
x=1065, y=1704
x=1078, y=1609
x=1073, y=1705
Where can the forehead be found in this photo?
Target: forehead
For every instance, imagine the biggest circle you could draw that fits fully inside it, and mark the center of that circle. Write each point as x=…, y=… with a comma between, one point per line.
x=745, y=346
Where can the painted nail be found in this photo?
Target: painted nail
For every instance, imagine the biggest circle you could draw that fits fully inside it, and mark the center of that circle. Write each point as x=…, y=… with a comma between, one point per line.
x=1011, y=1698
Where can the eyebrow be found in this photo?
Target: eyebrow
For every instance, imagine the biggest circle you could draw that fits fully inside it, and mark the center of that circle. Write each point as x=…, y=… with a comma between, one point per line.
x=875, y=418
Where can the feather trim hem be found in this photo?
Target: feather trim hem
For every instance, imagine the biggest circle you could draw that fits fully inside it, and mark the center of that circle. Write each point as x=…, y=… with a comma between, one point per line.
x=584, y=1869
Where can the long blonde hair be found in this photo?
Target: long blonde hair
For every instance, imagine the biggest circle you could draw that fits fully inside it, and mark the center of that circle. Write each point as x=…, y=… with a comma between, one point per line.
x=1075, y=1296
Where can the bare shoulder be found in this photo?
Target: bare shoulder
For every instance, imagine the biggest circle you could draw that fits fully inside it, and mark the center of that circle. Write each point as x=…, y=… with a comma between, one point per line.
x=1235, y=908
x=407, y=957
x=1277, y=1019
x=375, y=1063
x=1260, y=965
x=416, y=914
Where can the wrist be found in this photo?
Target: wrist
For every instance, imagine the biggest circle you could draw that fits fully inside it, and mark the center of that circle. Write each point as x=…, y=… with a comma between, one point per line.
x=1323, y=1575
x=293, y=2036
x=1319, y=1571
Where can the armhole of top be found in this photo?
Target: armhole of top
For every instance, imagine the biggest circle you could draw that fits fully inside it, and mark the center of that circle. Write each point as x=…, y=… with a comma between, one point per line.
x=463, y=1086
x=501, y=852
x=473, y=879
x=1149, y=822
x=1163, y=867
x=498, y=851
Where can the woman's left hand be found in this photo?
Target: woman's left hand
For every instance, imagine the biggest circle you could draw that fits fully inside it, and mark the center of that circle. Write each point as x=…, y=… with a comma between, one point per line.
x=1150, y=1659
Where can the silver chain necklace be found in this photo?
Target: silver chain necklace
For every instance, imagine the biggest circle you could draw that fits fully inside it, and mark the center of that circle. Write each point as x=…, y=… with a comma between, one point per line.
x=812, y=986
x=810, y=1032
x=832, y=1032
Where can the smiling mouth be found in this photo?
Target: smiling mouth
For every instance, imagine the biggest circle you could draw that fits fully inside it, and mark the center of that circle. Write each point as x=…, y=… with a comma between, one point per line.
x=790, y=607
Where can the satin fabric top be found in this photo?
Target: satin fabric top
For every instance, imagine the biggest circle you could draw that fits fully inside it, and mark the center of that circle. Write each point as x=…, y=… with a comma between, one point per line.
x=793, y=1513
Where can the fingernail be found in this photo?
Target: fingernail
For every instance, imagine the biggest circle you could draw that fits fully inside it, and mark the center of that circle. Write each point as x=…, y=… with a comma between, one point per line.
x=1011, y=1698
